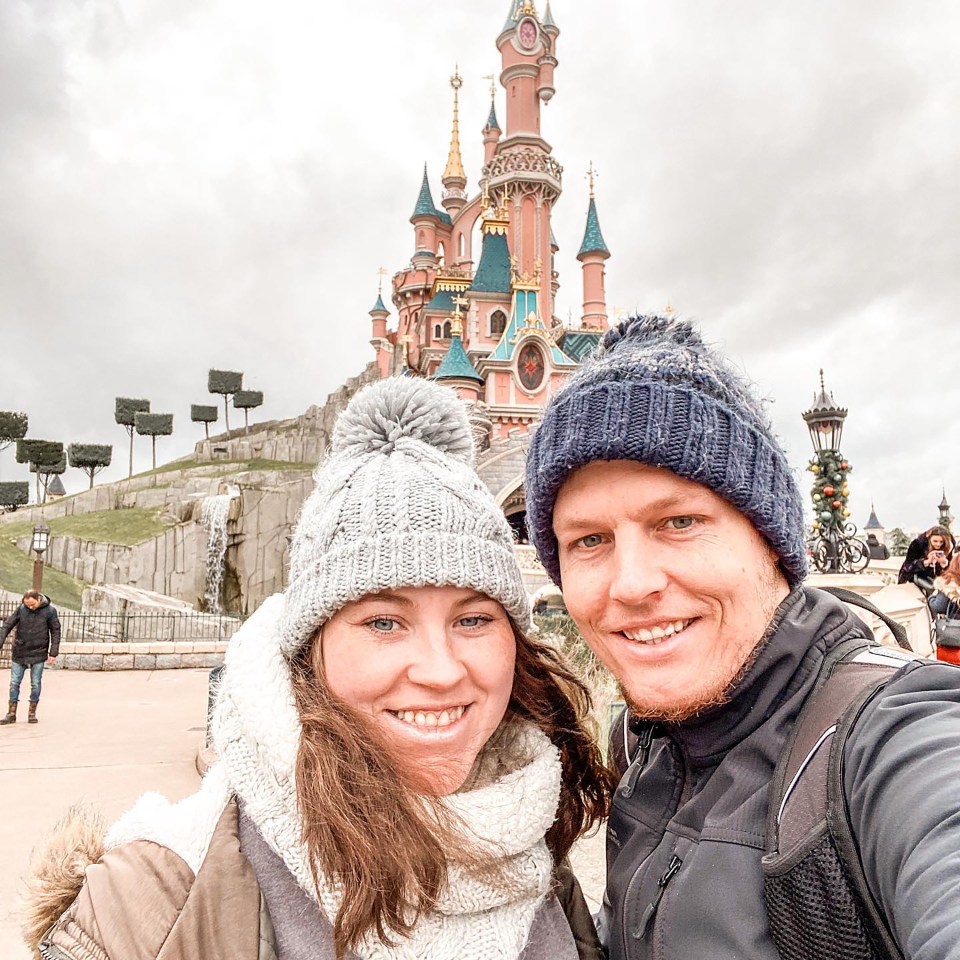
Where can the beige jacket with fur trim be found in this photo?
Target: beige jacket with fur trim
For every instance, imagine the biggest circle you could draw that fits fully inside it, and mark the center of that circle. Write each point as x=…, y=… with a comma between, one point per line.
x=82, y=901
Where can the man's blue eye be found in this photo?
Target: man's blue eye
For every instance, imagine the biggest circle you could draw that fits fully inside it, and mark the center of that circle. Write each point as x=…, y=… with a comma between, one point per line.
x=681, y=523
x=591, y=540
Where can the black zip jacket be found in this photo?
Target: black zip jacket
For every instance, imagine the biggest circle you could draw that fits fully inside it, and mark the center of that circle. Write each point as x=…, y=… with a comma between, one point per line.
x=38, y=633
x=687, y=830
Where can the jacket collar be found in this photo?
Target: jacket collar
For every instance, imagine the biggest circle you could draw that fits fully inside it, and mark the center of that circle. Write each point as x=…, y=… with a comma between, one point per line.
x=785, y=666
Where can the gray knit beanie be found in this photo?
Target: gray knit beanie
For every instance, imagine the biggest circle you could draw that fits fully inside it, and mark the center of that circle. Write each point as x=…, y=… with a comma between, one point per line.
x=398, y=504
x=655, y=393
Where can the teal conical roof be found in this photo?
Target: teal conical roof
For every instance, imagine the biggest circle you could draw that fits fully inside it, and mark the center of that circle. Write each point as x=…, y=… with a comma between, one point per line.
x=378, y=307
x=492, y=119
x=592, y=237
x=493, y=271
x=425, y=205
x=873, y=522
x=548, y=20
x=456, y=364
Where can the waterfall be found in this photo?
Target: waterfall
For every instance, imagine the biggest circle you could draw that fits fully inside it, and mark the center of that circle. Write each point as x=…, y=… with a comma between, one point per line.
x=213, y=519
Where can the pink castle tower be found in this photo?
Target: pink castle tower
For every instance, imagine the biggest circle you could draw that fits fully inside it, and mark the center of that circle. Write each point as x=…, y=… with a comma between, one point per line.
x=483, y=320
x=593, y=253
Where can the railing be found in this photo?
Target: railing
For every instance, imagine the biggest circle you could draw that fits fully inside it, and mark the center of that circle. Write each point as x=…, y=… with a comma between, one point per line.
x=133, y=627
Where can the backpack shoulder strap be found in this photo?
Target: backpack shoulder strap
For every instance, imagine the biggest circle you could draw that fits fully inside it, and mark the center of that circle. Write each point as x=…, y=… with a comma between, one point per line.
x=855, y=600
x=807, y=806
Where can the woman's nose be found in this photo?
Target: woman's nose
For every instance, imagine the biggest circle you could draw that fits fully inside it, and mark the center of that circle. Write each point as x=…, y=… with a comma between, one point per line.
x=436, y=664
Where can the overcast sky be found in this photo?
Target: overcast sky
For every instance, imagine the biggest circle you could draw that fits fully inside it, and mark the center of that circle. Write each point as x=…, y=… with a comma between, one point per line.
x=187, y=184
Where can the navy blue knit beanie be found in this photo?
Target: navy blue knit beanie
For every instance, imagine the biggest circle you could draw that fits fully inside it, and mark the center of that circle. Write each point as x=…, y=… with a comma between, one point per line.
x=655, y=393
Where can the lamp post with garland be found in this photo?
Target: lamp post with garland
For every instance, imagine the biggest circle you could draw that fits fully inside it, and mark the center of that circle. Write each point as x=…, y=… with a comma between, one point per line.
x=834, y=545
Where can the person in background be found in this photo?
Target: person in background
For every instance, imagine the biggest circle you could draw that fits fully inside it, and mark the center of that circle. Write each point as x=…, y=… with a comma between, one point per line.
x=36, y=645
x=927, y=557
x=875, y=549
x=945, y=601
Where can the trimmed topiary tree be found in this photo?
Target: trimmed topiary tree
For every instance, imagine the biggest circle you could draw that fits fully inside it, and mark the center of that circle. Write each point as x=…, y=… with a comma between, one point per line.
x=224, y=382
x=205, y=415
x=125, y=413
x=154, y=425
x=13, y=427
x=13, y=494
x=45, y=458
x=247, y=400
x=91, y=458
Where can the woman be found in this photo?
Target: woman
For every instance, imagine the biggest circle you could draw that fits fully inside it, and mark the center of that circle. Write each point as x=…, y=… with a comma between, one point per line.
x=927, y=557
x=945, y=601
x=401, y=771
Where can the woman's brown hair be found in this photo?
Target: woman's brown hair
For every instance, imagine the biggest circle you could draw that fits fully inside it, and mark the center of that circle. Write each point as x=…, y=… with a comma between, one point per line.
x=368, y=829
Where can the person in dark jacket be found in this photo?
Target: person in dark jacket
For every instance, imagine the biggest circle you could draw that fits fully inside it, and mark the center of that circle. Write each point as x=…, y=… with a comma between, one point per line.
x=875, y=549
x=37, y=643
x=660, y=501
x=927, y=558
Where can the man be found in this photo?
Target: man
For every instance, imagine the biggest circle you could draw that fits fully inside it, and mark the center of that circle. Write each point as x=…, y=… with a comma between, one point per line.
x=660, y=501
x=37, y=643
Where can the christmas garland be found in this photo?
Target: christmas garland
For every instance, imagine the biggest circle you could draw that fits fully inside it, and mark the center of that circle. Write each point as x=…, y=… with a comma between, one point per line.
x=830, y=491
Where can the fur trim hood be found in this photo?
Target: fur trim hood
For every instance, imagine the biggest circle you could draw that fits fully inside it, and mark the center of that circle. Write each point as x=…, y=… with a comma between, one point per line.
x=57, y=868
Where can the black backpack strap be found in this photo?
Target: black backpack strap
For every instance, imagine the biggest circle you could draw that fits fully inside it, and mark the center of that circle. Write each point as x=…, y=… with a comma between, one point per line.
x=855, y=600
x=819, y=904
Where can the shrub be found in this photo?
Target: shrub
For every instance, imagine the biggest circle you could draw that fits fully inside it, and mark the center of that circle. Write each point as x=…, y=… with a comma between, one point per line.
x=247, y=399
x=127, y=408
x=224, y=381
x=13, y=426
x=203, y=414
x=14, y=493
x=39, y=451
x=154, y=425
x=91, y=458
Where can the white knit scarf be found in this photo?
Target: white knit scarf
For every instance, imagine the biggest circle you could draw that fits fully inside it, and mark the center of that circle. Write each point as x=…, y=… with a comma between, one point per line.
x=256, y=734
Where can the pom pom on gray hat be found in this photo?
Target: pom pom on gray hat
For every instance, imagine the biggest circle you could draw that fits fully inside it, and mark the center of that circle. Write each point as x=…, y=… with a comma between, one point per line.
x=398, y=504
x=656, y=393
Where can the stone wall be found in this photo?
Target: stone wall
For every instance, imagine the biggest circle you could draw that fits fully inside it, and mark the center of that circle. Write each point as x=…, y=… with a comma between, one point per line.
x=303, y=439
x=258, y=550
x=172, y=563
x=141, y=656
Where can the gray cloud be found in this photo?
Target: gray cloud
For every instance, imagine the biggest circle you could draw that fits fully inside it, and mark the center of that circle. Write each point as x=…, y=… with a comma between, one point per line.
x=211, y=183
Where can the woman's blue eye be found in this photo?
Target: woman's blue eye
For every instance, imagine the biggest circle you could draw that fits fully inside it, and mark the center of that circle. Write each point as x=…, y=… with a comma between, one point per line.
x=383, y=624
x=681, y=523
x=474, y=621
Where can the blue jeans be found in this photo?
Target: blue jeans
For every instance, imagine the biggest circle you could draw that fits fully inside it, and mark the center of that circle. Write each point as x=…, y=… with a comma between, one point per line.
x=17, y=670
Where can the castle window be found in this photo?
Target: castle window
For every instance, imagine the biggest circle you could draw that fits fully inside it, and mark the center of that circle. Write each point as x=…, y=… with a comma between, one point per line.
x=437, y=332
x=446, y=330
x=498, y=323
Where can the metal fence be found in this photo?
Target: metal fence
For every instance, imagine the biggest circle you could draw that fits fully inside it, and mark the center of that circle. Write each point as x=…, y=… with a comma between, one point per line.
x=133, y=627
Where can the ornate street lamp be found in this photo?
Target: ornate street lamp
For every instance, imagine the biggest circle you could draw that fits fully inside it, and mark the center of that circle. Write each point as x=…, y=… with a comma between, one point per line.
x=41, y=539
x=834, y=545
x=945, y=517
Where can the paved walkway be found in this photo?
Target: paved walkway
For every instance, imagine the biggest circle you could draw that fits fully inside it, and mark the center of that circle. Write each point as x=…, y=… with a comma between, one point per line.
x=103, y=738
x=106, y=738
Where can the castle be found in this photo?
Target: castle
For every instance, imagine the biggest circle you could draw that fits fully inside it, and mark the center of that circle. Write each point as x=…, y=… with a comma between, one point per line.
x=474, y=308
x=483, y=320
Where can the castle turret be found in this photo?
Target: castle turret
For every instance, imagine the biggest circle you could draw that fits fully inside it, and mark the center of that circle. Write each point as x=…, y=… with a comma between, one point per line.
x=424, y=219
x=454, y=176
x=455, y=369
x=491, y=129
x=548, y=60
x=593, y=253
x=523, y=167
x=379, y=340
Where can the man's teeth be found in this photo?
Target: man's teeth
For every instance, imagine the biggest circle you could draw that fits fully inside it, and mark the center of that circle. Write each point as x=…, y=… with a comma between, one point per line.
x=657, y=634
x=424, y=718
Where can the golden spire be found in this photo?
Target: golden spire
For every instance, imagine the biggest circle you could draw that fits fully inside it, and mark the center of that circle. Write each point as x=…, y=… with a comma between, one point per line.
x=591, y=176
x=456, y=321
x=493, y=84
x=454, y=169
x=381, y=273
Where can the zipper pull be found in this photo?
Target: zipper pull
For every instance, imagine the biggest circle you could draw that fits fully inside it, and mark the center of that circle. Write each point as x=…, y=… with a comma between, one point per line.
x=645, y=730
x=640, y=932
